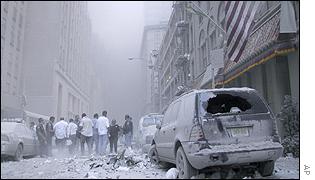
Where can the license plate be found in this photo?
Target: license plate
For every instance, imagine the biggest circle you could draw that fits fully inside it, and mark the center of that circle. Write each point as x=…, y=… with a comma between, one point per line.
x=239, y=132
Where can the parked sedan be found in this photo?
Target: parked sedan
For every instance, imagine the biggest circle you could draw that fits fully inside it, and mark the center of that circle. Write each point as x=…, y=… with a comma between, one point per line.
x=17, y=140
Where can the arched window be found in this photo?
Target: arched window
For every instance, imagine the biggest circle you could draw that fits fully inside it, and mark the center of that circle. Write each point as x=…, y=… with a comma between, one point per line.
x=210, y=33
x=191, y=36
x=221, y=15
x=221, y=22
x=203, y=50
x=208, y=6
x=201, y=37
x=210, y=26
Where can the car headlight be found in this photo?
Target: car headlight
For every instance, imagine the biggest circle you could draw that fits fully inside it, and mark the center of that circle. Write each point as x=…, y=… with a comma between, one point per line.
x=4, y=137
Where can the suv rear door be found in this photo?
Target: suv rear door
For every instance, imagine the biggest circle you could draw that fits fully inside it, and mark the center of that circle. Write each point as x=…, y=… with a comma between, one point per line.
x=249, y=121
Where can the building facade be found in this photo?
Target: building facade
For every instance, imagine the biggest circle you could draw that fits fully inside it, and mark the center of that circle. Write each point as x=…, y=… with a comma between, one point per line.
x=156, y=16
x=270, y=61
x=172, y=60
x=192, y=53
x=12, y=38
x=57, y=72
x=151, y=41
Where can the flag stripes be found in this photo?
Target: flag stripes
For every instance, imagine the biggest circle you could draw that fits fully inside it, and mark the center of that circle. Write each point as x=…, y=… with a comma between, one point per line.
x=239, y=18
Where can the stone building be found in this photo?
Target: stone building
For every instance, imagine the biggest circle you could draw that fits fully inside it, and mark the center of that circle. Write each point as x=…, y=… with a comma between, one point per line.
x=192, y=52
x=172, y=60
x=13, y=14
x=270, y=61
x=57, y=72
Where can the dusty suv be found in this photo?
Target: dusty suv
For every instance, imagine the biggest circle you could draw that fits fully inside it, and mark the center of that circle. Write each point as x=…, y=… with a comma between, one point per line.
x=218, y=130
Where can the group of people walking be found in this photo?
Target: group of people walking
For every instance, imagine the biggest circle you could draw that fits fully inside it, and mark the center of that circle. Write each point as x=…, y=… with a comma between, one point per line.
x=96, y=133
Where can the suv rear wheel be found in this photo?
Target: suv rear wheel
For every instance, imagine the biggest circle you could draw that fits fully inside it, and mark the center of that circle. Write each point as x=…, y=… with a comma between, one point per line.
x=186, y=171
x=266, y=168
x=19, y=153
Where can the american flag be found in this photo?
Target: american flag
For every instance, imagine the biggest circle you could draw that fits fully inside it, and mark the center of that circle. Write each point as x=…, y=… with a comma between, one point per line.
x=239, y=17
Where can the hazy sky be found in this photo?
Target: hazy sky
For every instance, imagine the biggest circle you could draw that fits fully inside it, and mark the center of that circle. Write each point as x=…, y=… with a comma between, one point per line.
x=120, y=25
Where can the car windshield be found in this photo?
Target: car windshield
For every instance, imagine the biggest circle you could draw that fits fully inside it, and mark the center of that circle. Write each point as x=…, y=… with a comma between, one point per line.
x=7, y=126
x=158, y=119
x=231, y=102
x=148, y=121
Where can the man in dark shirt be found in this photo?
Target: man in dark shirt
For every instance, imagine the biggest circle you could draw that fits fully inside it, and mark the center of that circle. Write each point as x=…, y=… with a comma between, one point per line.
x=50, y=134
x=128, y=131
x=78, y=134
x=113, y=135
x=42, y=138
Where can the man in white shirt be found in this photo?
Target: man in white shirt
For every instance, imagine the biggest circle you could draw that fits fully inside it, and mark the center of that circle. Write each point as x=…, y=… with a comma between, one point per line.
x=71, y=134
x=60, y=129
x=86, y=126
x=95, y=133
x=102, y=125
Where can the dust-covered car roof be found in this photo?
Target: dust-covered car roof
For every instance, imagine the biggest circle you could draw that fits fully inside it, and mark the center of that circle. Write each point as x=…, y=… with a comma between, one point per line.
x=8, y=126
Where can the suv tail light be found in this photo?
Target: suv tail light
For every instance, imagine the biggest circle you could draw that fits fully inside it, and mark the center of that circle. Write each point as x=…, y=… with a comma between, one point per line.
x=196, y=133
x=275, y=133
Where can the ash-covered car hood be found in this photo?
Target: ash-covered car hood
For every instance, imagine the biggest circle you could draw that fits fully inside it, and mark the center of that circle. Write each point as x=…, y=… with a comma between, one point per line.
x=150, y=130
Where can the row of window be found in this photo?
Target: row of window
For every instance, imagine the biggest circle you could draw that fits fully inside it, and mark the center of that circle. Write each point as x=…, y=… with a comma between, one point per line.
x=11, y=44
x=73, y=41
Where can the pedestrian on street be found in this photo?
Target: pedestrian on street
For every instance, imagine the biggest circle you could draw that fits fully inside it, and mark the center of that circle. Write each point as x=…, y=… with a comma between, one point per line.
x=128, y=131
x=86, y=126
x=102, y=125
x=35, y=139
x=32, y=126
x=60, y=129
x=50, y=134
x=95, y=133
x=71, y=134
x=113, y=135
x=42, y=139
x=78, y=134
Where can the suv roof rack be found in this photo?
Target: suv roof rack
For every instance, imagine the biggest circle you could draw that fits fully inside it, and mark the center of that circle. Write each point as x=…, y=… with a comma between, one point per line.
x=184, y=93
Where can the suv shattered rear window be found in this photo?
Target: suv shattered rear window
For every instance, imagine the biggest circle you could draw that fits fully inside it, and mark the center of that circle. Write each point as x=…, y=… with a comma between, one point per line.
x=225, y=102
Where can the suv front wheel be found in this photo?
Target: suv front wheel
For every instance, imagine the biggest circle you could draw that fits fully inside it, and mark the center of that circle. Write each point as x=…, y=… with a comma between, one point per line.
x=186, y=171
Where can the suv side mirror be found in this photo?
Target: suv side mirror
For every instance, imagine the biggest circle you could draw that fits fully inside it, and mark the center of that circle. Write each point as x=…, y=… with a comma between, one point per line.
x=158, y=126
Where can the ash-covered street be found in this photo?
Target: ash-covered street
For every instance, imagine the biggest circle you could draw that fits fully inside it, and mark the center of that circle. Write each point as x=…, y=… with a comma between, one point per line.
x=137, y=167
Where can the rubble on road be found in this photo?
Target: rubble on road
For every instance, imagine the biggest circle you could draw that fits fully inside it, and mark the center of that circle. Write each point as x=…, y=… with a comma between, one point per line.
x=121, y=168
x=90, y=175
